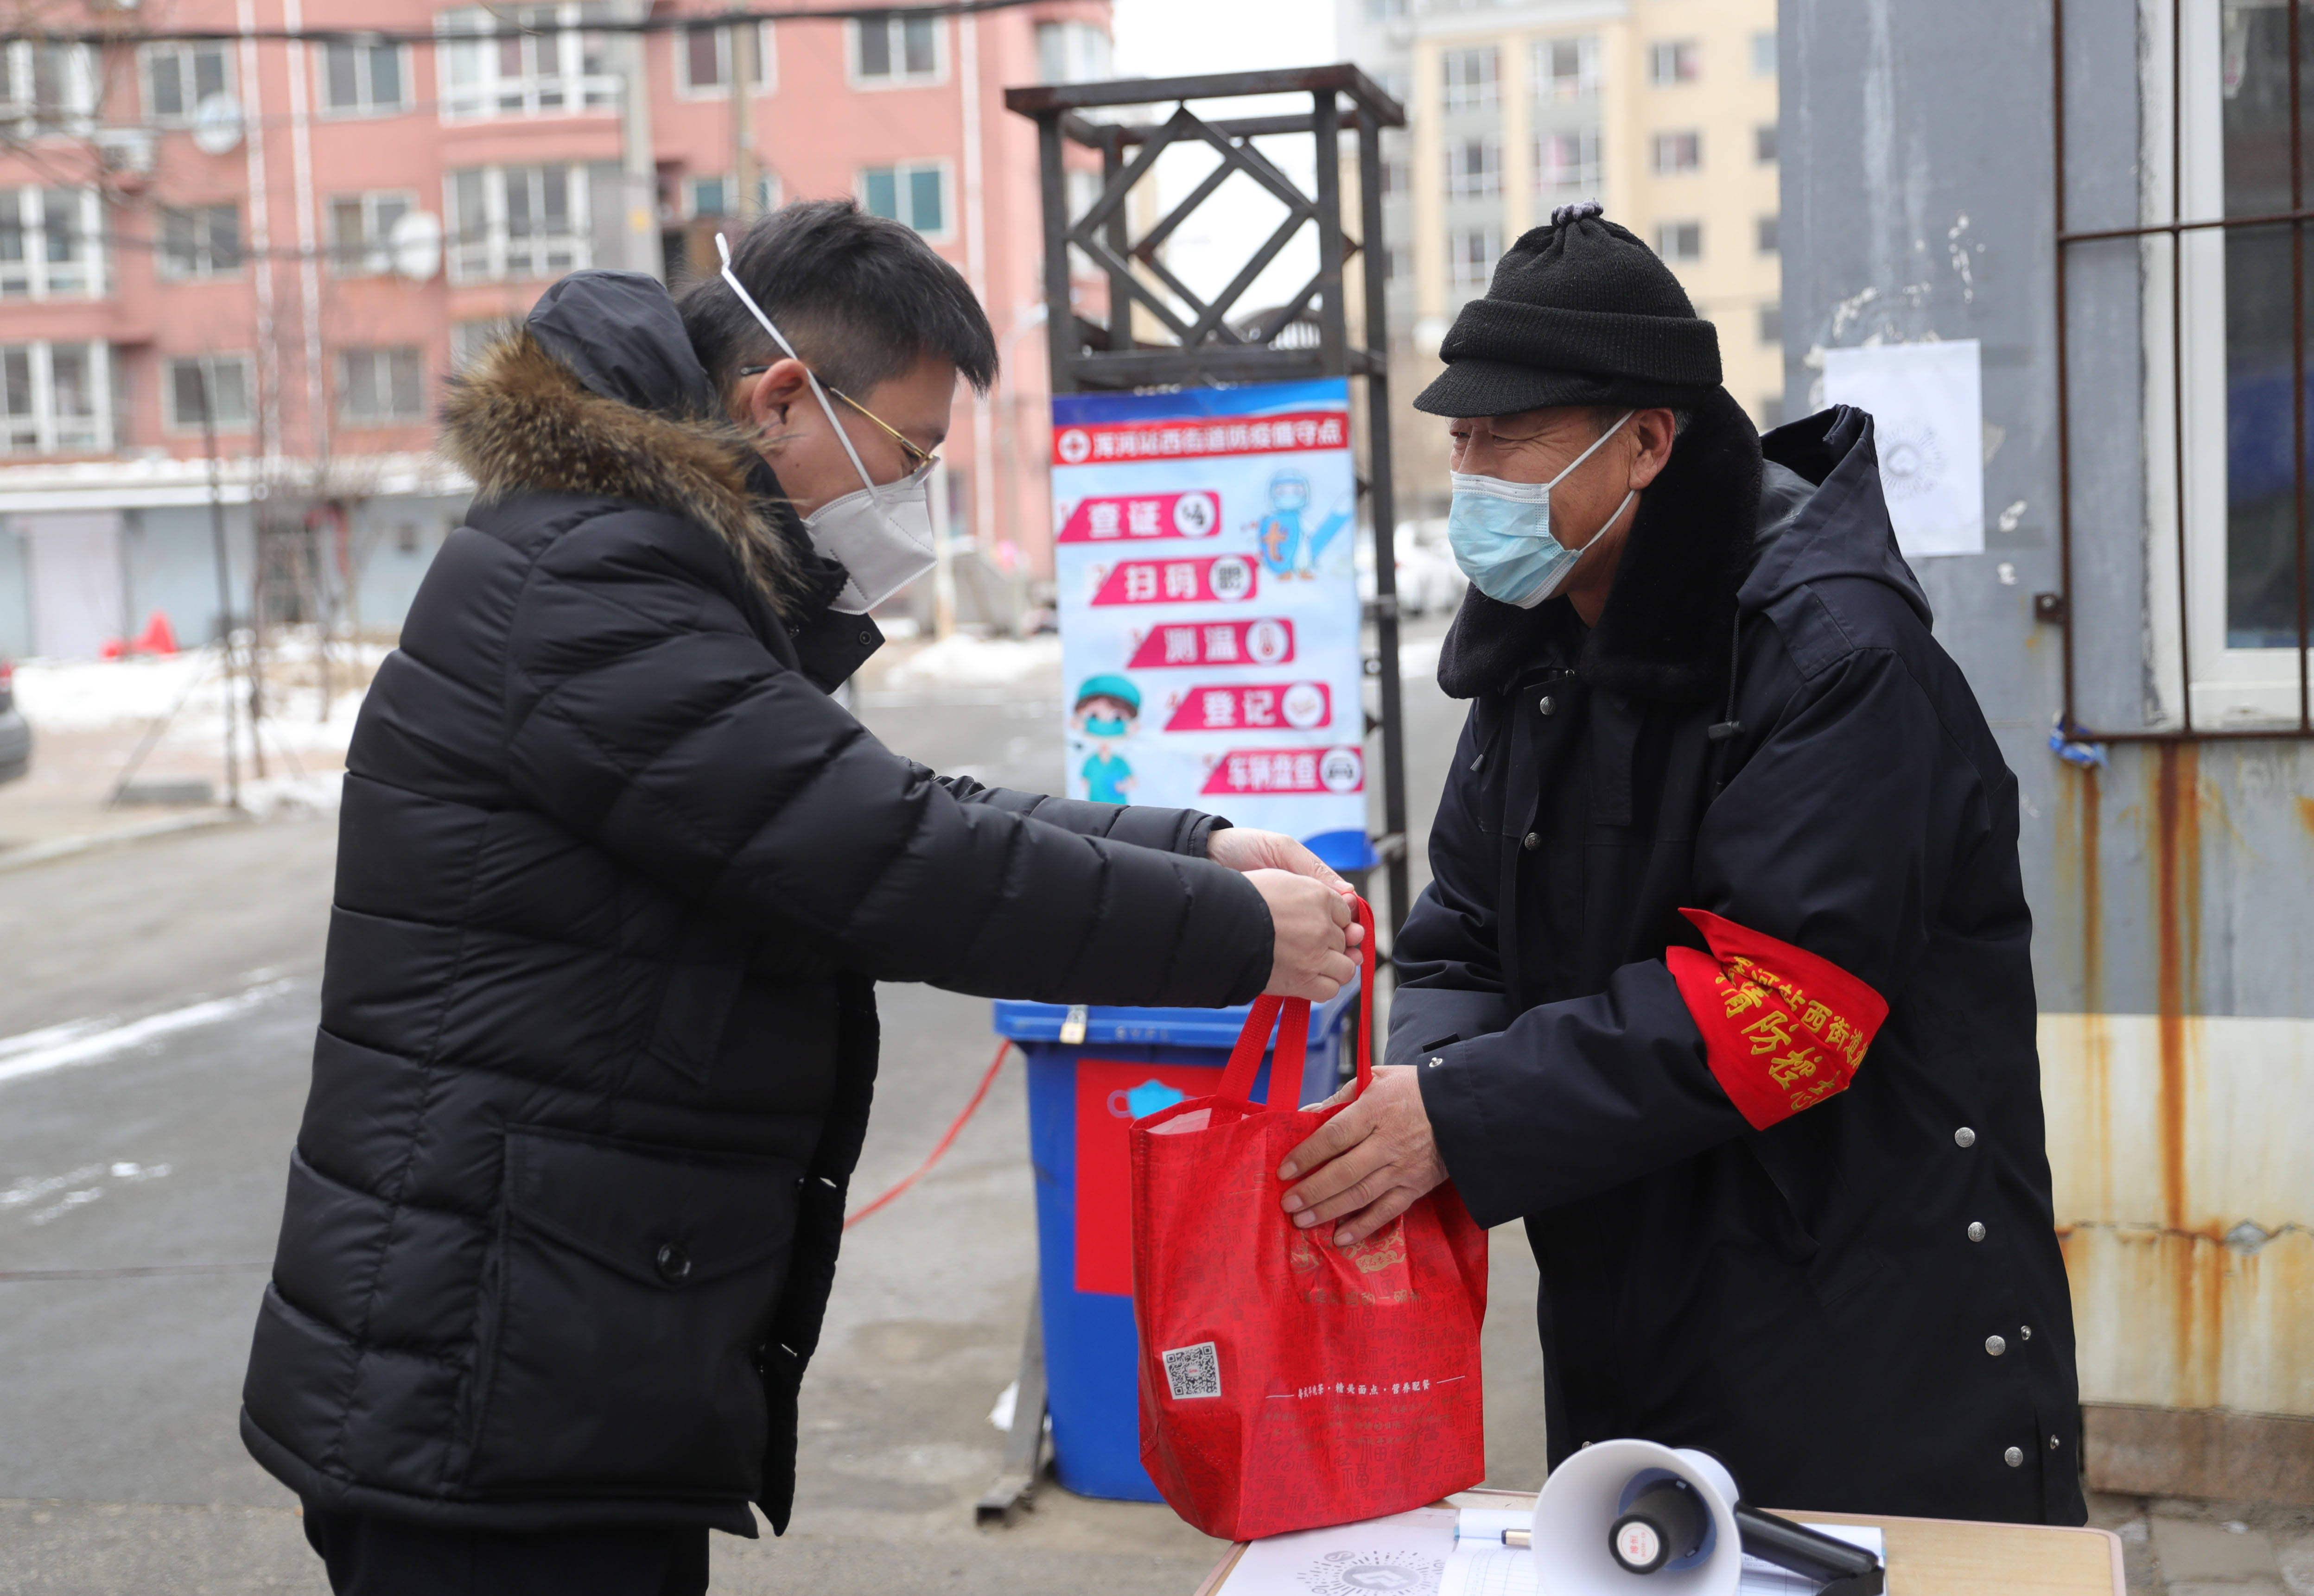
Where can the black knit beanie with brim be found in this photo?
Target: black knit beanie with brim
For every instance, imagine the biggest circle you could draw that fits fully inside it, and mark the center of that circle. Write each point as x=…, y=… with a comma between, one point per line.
x=1579, y=313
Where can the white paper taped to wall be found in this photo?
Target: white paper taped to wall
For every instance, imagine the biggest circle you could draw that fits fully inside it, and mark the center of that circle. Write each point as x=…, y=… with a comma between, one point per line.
x=1927, y=404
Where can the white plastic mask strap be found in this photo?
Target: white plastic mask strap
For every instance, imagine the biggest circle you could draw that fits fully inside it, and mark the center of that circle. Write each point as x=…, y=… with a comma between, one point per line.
x=723, y=248
x=1554, y=482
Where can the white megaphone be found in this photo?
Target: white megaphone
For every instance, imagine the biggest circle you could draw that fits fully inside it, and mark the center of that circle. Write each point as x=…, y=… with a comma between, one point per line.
x=1633, y=1518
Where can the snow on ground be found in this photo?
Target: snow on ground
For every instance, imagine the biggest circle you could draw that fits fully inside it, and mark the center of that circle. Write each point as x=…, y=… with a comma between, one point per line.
x=962, y=661
x=65, y=695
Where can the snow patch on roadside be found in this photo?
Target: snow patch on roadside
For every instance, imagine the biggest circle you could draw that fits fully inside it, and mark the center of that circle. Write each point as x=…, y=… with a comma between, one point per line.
x=962, y=661
x=91, y=1042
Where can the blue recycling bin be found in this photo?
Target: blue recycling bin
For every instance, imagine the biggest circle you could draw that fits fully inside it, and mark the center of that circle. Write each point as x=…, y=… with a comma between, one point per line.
x=1118, y=1065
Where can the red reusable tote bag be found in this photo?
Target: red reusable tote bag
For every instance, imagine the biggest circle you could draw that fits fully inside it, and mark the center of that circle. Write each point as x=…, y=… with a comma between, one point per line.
x=1286, y=1383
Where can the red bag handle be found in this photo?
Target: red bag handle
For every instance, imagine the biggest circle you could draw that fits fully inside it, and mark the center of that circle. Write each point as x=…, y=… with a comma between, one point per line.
x=1291, y=1016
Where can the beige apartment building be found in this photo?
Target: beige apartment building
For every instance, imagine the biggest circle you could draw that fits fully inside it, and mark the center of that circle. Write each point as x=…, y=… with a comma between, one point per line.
x=1663, y=110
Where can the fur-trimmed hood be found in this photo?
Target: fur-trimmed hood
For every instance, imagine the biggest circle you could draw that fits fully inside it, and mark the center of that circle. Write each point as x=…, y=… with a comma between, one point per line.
x=624, y=408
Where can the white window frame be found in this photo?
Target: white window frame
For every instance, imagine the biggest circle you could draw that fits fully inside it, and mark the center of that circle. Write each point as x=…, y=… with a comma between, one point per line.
x=151, y=55
x=32, y=199
x=179, y=425
x=1471, y=94
x=469, y=339
x=340, y=391
x=1678, y=52
x=47, y=425
x=83, y=86
x=1658, y=142
x=496, y=246
x=1080, y=64
x=1547, y=82
x=365, y=107
x=1459, y=268
x=2231, y=686
x=1588, y=165
x=1487, y=181
x=900, y=78
x=211, y=273
x=577, y=92
x=1663, y=231
x=901, y=171
x=377, y=253
x=767, y=61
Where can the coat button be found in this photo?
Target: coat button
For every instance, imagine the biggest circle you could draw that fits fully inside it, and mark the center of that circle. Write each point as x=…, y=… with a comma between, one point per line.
x=2055, y=1443
x=1964, y=1137
x=1548, y=705
x=1994, y=1345
x=1436, y=1061
x=1534, y=841
x=867, y=638
x=673, y=1262
x=2014, y=1457
x=1975, y=1231
x=2025, y=1331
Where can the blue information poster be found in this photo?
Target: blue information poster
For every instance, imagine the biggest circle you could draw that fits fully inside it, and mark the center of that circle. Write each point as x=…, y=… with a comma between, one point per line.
x=1205, y=546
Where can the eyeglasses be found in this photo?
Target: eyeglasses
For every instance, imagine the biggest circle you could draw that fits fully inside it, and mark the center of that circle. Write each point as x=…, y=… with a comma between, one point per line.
x=918, y=459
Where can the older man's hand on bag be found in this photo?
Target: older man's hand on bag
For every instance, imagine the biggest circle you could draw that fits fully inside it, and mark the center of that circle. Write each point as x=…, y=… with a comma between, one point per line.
x=1369, y=1163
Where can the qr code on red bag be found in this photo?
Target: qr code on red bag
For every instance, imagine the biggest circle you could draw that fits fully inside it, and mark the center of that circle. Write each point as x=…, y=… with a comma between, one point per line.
x=1194, y=1370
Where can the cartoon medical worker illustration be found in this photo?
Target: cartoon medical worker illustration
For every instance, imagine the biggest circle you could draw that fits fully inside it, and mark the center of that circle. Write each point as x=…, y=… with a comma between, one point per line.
x=1287, y=547
x=1106, y=707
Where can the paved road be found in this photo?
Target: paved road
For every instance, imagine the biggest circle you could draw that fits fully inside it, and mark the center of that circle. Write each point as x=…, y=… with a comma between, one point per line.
x=143, y=1142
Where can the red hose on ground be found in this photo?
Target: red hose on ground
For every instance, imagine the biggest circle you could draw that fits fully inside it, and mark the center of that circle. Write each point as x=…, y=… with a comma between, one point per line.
x=945, y=1142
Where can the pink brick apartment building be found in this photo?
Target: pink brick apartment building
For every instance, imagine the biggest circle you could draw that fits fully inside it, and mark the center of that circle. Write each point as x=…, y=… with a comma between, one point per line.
x=255, y=219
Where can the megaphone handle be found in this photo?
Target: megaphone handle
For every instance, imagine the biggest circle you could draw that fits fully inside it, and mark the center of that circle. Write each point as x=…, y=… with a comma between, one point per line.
x=1851, y=1570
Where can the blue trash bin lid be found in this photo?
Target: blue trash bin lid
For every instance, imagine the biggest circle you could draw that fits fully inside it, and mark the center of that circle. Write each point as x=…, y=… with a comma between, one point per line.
x=1159, y=1027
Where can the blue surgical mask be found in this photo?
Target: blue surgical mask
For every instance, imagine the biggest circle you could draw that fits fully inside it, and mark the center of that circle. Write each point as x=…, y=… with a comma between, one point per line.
x=1501, y=533
x=1097, y=728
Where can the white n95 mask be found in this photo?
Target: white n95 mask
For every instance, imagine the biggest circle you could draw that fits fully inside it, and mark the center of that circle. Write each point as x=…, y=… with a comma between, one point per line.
x=1501, y=532
x=880, y=535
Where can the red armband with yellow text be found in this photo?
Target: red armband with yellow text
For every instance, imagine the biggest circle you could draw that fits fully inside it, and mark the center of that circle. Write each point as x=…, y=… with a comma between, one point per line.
x=1782, y=1030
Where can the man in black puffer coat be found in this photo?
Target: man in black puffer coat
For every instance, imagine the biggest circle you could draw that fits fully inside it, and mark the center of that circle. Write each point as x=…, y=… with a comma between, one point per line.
x=615, y=879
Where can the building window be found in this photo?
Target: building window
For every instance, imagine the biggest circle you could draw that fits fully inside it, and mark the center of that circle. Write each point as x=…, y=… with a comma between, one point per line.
x=361, y=232
x=1677, y=151
x=1471, y=256
x=1763, y=143
x=703, y=58
x=380, y=387
x=916, y=193
x=1383, y=11
x=1396, y=178
x=179, y=76
x=1397, y=264
x=888, y=50
x=1566, y=68
x=1474, y=169
x=1072, y=53
x=1772, y=323
x=56, y=398
x=1674, y=62
x=1766, y=235
x=707, y=195
x=1680, y=241
x=364, y=79
x=1567, y=161
x=469, y=339
x=48, y=243
x=219, y=381
x=561, y=68
x=48, y=88
x=1764, y=54
x=515, y=221
x=1470, y=77
x=201, y=240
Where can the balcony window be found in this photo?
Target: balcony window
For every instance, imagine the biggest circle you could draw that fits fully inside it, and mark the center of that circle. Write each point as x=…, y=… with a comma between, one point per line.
x=889, y=51
x=380, y=387
x=1471, y=256
x=914, y=193
x=49, y=243
x=179, y=76
x=1677, y=151
x=1072, y=53
x=364, y=79
x=1567, y=162
x=509, y=223
x=56, y=398
x=1566, y=68
x=1470, y=77
x=220, y=382
x=48, y=88
x=559, y=68
x=1672, y=62
x=361, y=232
x=201, y=240
x=1474, y=169
x=1680, y=241
x=703, y=58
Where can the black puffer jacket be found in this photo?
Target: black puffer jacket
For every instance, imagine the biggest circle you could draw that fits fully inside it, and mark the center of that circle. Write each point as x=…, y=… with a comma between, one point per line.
x=615, y=877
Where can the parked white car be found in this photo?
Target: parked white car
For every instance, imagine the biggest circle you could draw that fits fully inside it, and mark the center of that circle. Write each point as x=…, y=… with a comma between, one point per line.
x=1428, y=579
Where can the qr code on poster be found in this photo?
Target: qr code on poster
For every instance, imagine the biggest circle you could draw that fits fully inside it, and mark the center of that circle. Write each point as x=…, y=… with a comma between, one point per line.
x=1194, y=1370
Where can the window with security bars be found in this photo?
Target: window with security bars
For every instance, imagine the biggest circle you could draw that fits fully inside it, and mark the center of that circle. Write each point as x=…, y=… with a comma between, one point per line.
x=199, y=386
x=1567, y=163
x=889, y=51
x=1471, y=256
x=361, y=231
x=380, y=387
x=509, y=223
x=56, y=398
x=1673, y=153
x=200, y=240
x=1566, y=68
x=1470, y=78
x=556, y=64
x=179, y=76
x=364, y=79
x=1474, y=169
x=703, y=57
x=50, y=243
x=913, y=192
x=48, y=88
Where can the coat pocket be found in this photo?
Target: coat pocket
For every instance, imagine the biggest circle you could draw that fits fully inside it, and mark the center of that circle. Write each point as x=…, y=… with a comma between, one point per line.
x=621, y=1347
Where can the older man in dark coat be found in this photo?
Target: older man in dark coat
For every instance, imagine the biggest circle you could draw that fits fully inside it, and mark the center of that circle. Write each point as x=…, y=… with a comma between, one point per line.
x=1722, y=981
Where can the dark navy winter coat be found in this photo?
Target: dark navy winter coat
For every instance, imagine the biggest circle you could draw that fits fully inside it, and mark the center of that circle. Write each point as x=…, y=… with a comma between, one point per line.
x=615, y=879
x=1861, y=1308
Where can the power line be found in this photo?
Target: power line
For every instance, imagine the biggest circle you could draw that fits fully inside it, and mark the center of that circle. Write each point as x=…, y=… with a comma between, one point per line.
x=376, y=36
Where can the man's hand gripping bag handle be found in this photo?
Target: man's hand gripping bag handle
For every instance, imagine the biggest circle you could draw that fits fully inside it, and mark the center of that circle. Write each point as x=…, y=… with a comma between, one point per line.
x=1290, y=1016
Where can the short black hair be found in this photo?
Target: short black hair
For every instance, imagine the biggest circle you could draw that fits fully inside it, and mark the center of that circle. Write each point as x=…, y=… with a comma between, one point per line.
x=860, y=296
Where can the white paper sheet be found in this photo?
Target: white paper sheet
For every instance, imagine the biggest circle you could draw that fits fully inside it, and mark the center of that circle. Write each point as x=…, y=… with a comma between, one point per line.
x=1403, y=1555
x=1484, y=1568
x=1928, y=413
